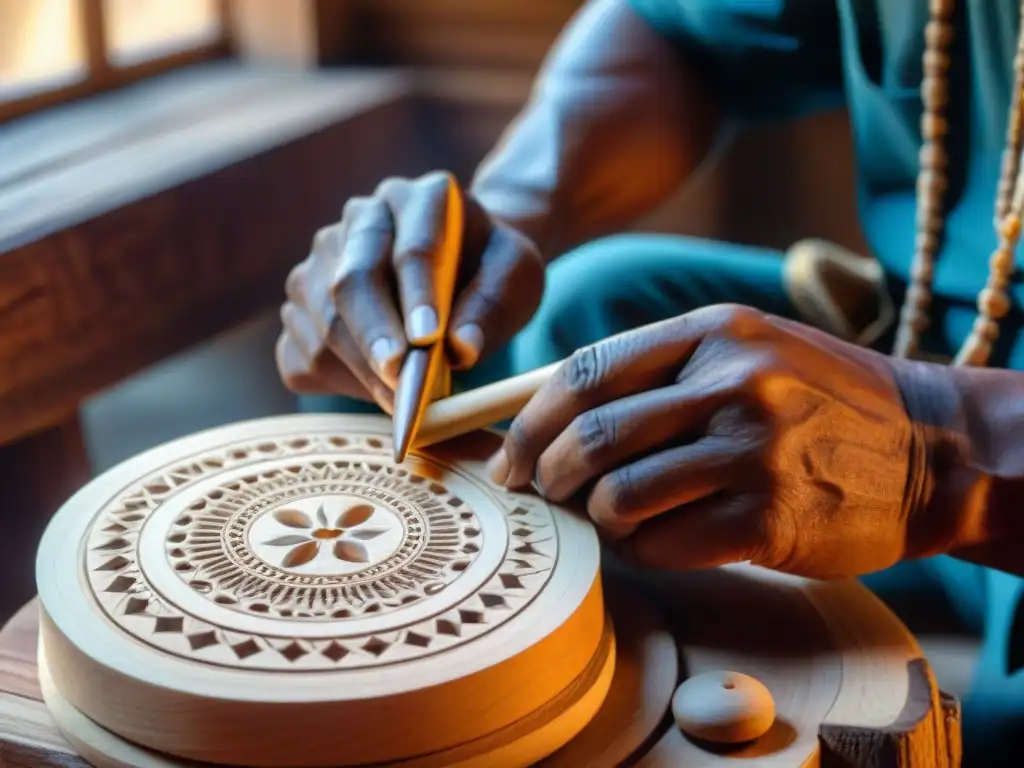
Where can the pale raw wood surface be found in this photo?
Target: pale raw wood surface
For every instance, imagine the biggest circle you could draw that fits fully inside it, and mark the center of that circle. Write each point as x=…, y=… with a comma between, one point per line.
x=794, y=648
x=645, y=676
x=198, y=699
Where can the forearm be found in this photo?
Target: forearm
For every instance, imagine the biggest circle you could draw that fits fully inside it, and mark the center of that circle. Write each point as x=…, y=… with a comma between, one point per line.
x=615, y=124
x=972, y=497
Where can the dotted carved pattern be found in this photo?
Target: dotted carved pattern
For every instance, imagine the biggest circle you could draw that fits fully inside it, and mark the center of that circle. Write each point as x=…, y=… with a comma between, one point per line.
x=125, y=594
x=209, y=546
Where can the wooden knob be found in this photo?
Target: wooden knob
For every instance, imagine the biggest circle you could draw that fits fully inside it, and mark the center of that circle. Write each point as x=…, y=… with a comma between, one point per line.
x=723, y=707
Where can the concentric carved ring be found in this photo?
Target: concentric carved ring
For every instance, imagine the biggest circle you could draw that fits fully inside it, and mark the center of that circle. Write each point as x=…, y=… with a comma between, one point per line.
x=312, y=552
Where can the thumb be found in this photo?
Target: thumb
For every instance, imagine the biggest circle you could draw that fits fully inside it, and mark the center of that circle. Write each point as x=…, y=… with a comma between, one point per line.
x=499, y=298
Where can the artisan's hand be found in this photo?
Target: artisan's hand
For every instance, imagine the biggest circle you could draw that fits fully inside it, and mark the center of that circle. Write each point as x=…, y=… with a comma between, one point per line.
x=727, y=435
x=366, y=291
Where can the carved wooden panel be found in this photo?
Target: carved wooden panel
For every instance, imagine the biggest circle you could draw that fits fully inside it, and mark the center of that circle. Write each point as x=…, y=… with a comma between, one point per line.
x=238, y=595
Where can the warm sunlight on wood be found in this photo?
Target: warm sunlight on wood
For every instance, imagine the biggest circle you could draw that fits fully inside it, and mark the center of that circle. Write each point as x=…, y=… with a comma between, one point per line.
x=138, y=30
x=41, y=45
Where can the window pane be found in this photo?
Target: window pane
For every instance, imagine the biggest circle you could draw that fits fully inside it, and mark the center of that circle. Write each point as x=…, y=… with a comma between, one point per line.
x=42, y=45
x=138, y=30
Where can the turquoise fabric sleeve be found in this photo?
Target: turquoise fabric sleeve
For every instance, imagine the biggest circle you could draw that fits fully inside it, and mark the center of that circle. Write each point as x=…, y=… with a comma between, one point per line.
x=766, y=59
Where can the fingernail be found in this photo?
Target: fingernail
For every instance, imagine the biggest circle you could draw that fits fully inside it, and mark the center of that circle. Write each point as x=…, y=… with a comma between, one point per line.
x=468, y=342
x=499, y=467
x=421, y=325
x=383, y=351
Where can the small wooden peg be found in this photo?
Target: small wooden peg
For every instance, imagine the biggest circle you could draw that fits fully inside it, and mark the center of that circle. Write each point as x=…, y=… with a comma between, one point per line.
x=723, y=708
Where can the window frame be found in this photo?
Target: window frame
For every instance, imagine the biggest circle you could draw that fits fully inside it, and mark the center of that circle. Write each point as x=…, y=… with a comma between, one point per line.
x=101, y=74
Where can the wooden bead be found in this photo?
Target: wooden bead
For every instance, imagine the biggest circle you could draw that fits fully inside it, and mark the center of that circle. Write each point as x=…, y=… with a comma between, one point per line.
x=934, y=92
x=1001, y=262
x=931, y=183
x=930, y=221
x=923, y=272
x=933, y=157
x=933, y=126
x=913, y=318
x=985, y=329
x=1011, y=227
x=929, y=208
x=938, y=34
x=993, y=303
x=936, y=62
x=723, y=708
x=926, y=241
x=919, y=297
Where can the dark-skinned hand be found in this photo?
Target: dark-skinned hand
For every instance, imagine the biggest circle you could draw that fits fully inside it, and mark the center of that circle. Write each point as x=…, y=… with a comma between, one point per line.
x=727, y=435
x=366, y=290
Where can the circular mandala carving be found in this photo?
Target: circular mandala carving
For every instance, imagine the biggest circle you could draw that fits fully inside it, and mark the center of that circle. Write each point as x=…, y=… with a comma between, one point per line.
x=323, y=540
x=314, y=551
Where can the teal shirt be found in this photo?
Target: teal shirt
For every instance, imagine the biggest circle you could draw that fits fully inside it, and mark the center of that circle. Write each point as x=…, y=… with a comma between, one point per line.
x=778, y=59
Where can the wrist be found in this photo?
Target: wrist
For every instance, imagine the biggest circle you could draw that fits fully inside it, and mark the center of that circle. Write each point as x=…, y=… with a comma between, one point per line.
x=942, y=480
x=523, y=210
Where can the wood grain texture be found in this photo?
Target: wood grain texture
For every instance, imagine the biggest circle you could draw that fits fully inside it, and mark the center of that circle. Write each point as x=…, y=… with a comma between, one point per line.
x=879, y=715
x=925, y=733
x=19, y=640
x=28, y=738
x=119, y=258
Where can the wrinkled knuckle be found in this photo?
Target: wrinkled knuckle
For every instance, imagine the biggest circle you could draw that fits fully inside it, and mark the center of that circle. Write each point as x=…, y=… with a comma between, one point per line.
x=351, y=278
x=619, y=493
x=517, y=440
x=390, y=184
x=322, y=238
x=293, y=283
x=437, y=182
x=393, y=189
x=761, y=370
x=586, y=370
x=412, y=255
x=374, y=219
x=353, y=207
x=738, y=320
x=486, y=308
x=596, y=431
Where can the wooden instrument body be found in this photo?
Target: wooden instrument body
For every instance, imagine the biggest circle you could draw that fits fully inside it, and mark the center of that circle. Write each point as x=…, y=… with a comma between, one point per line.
x=418, y=615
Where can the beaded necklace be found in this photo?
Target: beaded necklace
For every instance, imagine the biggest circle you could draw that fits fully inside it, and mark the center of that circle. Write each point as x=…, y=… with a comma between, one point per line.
x=993, y=301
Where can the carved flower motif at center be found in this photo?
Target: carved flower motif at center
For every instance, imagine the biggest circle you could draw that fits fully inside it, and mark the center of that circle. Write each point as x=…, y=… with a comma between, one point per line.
x=346, y=529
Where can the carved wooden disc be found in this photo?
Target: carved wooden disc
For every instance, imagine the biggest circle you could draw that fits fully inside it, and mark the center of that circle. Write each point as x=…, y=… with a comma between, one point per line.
x=279, y=592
